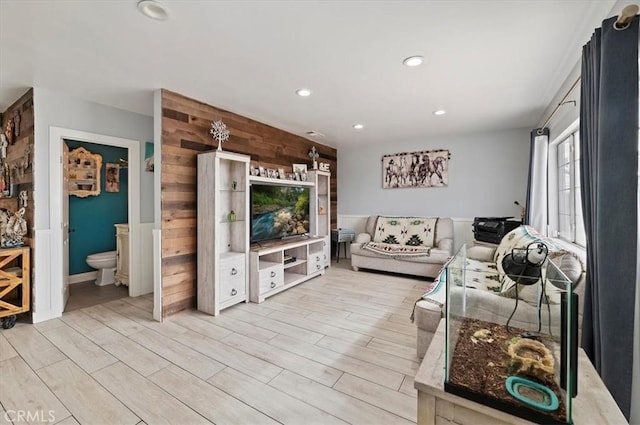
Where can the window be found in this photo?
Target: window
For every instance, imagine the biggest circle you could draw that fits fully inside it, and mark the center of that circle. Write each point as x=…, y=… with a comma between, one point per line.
x=570, y=224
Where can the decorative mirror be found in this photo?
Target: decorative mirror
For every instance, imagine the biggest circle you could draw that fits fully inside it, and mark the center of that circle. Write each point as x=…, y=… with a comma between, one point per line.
x=83, y=173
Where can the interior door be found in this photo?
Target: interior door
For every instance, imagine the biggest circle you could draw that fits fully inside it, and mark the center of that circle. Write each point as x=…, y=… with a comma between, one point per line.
x=65, y=224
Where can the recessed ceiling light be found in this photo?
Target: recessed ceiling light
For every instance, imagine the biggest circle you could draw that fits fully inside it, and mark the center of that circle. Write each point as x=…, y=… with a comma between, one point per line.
x=358, y=126
x=439, y=112
x=413, y=61
x=314, y=133
x=303, y=92
x=153, y=9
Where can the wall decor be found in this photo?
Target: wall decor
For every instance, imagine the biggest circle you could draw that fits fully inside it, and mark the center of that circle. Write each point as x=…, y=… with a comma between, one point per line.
x=113, y=178
x=9, y=131
x=281, y=174
x=300, y=168
x=416, y=169
x=314, y=155
x=324, y=166
x=148, y=157
x=219, y=132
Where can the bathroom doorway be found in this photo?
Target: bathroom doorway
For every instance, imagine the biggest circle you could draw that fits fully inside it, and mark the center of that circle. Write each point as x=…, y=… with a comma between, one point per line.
x=97, y=217
x=58, y=252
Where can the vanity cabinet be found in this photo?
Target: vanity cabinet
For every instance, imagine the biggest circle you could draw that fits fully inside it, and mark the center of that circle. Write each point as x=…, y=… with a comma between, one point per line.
x=122, y=254
x=83, y=173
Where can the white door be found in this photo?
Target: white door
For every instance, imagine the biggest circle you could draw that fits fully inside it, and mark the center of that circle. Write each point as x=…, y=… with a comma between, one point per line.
x=65, y=224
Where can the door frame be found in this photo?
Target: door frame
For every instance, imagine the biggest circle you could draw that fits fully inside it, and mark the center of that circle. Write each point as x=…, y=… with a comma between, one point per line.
x=56, y=138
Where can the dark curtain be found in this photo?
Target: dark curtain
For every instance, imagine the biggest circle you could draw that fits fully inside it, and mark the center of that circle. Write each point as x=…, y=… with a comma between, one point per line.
x=609, y=188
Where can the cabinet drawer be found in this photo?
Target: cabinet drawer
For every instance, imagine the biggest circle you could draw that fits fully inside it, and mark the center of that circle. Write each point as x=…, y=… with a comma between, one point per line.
x=326, y=255
x=315, y=262
x=232, y=278
x=271, y=278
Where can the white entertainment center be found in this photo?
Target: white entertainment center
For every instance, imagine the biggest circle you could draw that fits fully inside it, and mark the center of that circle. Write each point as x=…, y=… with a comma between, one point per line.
x=230, y=268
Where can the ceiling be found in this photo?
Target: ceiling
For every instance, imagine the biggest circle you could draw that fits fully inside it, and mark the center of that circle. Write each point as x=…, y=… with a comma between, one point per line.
x=491, y=64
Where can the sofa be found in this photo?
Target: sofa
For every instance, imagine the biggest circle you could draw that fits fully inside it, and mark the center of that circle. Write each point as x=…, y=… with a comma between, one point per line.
x=490, y=294
x=411, y=245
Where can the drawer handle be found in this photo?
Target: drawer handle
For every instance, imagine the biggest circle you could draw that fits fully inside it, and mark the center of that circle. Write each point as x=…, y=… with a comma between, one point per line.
x=318, y=258
x=324, y=243
x=234, y=271
x=273, y=274
x=233, y=292
x=325, y=256
x=273, y=284
x=318, y=266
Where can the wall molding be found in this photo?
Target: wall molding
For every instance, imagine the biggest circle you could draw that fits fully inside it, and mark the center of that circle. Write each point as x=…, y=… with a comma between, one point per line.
x=82, y=277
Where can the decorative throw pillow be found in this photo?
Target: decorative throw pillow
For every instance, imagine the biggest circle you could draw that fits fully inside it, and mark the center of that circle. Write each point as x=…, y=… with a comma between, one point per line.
x=405, y=231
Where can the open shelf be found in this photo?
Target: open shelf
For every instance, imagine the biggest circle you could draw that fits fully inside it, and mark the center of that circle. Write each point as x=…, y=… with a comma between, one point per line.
x=279, y=182
x=295, y=263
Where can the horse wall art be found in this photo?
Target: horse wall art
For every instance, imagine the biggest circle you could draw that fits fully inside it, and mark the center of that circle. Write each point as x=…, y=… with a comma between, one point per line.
x=416, y=169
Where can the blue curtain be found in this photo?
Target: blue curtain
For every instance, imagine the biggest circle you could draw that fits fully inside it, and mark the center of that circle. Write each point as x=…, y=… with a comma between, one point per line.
x=609, y=187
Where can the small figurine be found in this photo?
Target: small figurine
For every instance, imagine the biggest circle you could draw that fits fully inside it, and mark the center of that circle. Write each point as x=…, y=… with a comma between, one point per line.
x=24, y=198
x=314, y=155
x=9, y=131
x=16, y=230
x=3, y=146
x=16, y=119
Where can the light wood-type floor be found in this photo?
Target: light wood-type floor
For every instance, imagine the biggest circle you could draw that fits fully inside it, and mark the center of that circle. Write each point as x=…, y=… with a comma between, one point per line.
x=88, y=294
x=337, y=349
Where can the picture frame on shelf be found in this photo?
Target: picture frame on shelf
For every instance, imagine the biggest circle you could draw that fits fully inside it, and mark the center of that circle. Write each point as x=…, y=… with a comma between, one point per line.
x=271, y=173
x=300, y=168
x=281, y=174
x=263, y=171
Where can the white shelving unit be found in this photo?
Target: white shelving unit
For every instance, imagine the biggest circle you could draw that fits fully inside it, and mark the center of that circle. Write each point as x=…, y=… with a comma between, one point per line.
x=320, y=217
x=223, y=230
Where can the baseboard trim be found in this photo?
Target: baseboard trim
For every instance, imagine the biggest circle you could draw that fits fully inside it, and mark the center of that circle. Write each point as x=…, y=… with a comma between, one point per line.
x=82, y=277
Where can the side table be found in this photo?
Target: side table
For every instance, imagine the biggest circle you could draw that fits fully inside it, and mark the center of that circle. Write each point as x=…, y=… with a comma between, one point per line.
x=342, y=236
x=593, y=405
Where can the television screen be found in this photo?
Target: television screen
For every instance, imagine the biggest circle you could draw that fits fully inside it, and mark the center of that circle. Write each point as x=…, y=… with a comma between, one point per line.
x=278, y=211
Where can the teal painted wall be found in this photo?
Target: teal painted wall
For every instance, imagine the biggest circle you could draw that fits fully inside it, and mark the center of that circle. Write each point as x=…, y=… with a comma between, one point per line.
x=93, y=217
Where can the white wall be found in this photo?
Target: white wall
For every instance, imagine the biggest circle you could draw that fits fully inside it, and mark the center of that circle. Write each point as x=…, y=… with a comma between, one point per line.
x=60, y=110
x=487, y=173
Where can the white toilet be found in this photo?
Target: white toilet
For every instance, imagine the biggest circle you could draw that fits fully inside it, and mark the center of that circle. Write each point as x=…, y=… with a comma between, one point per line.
x=105, y=262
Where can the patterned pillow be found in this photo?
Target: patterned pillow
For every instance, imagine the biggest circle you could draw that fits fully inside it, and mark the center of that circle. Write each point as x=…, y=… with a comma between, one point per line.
x=406, y=231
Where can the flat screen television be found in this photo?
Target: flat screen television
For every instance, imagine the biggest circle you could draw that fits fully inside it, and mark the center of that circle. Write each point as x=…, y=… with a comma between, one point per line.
x=278, y=211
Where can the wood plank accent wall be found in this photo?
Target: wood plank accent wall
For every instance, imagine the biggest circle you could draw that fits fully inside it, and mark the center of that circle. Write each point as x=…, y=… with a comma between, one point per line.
x=22, y=146
x=185, y=133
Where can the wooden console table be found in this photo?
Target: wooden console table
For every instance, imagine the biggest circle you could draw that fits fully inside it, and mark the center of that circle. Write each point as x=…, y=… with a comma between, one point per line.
x=593, y=405
x=14, y=289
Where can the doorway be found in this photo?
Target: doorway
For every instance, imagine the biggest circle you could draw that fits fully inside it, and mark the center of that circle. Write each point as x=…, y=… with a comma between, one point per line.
x=58, y=243
x=96, y=215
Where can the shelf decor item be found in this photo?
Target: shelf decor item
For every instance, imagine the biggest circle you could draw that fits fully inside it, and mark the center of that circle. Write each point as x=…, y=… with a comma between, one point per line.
x=314, y=155
x=219, y=132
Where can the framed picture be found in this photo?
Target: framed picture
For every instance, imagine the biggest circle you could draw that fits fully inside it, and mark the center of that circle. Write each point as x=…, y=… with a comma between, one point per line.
x=271, y=173
x=263, y=172
x=416, y=169
x=299, y=168
x=281, y=174
x=113, y=178
x=148, y=157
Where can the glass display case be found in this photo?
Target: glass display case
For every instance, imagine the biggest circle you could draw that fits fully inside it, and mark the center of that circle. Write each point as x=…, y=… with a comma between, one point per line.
x=511, y=337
